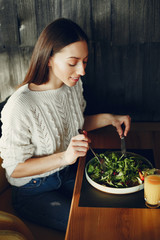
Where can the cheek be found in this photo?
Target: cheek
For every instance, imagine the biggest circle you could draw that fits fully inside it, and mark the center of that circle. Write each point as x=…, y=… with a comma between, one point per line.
x=62, y=69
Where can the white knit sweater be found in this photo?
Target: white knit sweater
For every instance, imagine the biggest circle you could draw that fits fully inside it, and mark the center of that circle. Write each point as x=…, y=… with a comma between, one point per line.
x=39, y=123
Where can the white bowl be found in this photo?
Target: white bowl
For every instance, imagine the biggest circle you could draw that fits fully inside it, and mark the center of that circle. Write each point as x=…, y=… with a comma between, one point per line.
x=112, y=189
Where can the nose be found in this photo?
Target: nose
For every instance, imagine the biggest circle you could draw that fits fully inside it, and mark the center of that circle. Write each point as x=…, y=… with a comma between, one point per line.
x=81, y=69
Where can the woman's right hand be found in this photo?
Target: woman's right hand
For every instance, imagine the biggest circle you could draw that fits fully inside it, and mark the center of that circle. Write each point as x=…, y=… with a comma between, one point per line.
x=78, y=147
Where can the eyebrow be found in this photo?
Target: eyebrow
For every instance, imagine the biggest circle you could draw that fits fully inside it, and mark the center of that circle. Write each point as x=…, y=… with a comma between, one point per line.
x=77, y=57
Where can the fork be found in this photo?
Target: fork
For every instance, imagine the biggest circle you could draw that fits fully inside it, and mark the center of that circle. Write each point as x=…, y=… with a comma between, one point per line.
x=100, y=160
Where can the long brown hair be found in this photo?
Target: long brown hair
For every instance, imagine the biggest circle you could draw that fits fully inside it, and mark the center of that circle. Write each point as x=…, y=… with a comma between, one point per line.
x=53, y=38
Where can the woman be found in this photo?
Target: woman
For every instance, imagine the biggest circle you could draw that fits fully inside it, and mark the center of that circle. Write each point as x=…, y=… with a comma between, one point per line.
x=40, y=141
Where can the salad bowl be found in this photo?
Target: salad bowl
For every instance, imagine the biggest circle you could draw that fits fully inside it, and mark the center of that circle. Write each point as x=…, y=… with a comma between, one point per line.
x=94, y=176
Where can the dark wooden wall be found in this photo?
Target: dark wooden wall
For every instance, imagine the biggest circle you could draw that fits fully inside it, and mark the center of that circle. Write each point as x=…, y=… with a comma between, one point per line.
x=123, y=72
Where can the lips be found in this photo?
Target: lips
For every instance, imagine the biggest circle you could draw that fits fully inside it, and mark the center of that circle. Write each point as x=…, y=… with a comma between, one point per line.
x=75, y=79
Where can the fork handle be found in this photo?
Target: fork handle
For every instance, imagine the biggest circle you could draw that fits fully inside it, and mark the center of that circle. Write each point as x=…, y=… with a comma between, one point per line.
x=81, y=131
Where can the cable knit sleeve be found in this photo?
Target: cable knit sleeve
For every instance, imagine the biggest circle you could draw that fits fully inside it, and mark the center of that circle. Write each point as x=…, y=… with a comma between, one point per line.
x=15, y=143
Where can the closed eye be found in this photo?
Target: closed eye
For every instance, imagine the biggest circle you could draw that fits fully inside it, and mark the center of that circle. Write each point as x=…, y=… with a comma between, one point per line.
x=73, y=65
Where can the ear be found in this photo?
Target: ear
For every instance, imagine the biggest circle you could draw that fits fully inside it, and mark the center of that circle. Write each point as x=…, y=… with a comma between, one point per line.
x=50, y=62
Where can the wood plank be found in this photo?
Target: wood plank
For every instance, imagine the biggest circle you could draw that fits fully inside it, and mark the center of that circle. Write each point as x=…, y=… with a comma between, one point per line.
x=8, y=24
x=46, y=12
x=156, y=21
x=126, y=81
x=151, y=82
x=120, y=22
x=117, y=77
x=18, y=57
x=78, y=11
x=11, y=73
x=27, y=29
x=5, y=86
x=144, y=21
x=132, y=78
x=101, y=21
x=156, y=138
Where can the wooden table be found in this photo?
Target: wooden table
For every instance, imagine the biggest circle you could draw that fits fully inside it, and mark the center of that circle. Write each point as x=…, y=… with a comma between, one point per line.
x=86, y=223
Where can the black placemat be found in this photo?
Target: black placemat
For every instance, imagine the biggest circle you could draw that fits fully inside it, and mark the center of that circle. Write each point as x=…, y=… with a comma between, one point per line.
x=91, y=197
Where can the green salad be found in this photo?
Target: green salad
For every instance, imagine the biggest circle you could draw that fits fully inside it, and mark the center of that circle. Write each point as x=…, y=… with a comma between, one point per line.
x=121, y=172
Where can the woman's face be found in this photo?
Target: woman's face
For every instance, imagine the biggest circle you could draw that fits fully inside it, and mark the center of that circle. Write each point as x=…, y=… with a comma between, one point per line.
x=66, y=66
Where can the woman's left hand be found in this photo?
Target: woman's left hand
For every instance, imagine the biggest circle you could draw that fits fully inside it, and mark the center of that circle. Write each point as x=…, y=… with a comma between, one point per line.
x=104, y=119
x=118, y=120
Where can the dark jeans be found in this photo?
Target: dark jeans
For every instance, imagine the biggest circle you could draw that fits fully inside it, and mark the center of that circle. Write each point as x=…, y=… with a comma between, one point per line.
x=46, y=200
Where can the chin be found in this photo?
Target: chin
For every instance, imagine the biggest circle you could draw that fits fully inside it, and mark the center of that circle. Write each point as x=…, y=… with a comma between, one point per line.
x=71, y=84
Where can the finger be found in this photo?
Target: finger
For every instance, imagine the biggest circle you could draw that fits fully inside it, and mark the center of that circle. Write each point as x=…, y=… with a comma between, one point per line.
x=80, y=137
x=81, y=154
x=118, y=127
x=85, y=132
x=81, y=149
x=80, y=144
x=127, y=128
x=127, y=124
